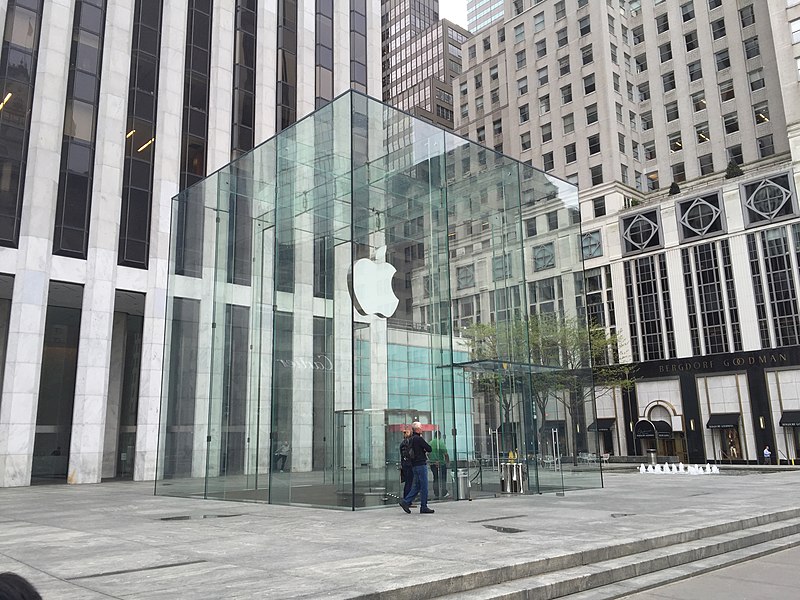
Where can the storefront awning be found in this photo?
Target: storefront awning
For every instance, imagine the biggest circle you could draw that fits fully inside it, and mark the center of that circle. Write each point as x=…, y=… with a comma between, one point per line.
x=790, y=418
x=602, y=425
x=723, y=421
x=645, y=429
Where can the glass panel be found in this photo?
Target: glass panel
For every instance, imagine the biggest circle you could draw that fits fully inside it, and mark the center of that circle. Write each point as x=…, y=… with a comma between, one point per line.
x=380, y=248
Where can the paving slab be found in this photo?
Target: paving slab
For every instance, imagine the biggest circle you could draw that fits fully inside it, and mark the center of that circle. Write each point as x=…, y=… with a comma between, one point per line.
x=111, y=540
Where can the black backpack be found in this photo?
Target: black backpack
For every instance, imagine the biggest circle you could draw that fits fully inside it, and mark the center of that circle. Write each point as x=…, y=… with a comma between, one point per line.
x=406, y=451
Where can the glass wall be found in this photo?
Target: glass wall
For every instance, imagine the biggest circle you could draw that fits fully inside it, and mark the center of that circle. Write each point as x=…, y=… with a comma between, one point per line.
x=392, y=274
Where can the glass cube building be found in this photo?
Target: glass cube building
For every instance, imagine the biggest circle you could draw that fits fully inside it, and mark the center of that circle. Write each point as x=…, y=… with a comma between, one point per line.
x=357, y=272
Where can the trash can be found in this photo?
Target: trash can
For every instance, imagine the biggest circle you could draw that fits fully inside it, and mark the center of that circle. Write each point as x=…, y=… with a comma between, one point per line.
x=511, y=476
x=653, y=457
x=463, y=484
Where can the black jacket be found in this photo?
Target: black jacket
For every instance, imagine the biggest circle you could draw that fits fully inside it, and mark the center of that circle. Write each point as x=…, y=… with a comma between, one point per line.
x=421, y=447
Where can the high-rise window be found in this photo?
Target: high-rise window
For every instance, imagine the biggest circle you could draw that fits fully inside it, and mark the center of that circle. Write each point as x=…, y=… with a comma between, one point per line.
x=74, y=200
x=722, y=59
x=692, y=42
x=18, y=62
x=286, y=89
x=718, y=29
x=358, y=42
x=751, y=48
x=137, y=179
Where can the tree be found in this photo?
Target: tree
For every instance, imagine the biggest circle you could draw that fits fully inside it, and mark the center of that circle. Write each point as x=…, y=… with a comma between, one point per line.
x=674, y=189
x=733, y=170
x=562, y=359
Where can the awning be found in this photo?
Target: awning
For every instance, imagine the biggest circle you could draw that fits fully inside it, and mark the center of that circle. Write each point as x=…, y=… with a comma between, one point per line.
x=602, y=425
x=790, y=418
x=663, y=429
x=645, y=429
x=723, y=421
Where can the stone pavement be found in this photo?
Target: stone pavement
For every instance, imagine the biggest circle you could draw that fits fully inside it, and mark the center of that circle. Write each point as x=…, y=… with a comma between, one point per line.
x=117, y=540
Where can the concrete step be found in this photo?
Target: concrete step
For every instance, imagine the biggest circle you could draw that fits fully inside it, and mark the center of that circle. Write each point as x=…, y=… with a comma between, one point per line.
x=629, y=572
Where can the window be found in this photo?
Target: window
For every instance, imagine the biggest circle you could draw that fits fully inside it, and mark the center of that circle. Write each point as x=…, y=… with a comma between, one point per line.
x=747, y=16
x=674, y=141
x=479, y=104
x=644, y=91
x=671, y=111
x=481, y=133
x=586, y=55
x=582, y=3
x=566, y=94
x=731, y=122
x=524, y=113
x=552, y=220
x=718, y=28
x=706, y=163
x=621, y=141
x=522, y=86
x=570, y=153
x=701, y=129
x=591, y=114
x=542, y=75
x=561, y=10
x=652, y=181
x=712, y=4
x=519, y=33
x=596, y=174
x=726, y=91
x=465, y=277
x=471, y=52
x=638, y=35
x=668, y=80
x=501, y=267
x=538, y=22
x=544, y=257
x=695, y=71
x=599, y=206
x=568, y=123
x=723, y=59
x=615, y=79
x=497, y=126
x=756, y=79
x=614, y=58
x=647, y=120
x=692, y=43
x=487, y=43
x=766, y=147
x=521, y=60
x=562, y=38
x=547, y=132
x=699, y=101
x=525, y=141
x=493, y=74
x=463, y=88
x=530, y=227
x=501, y=35
x=662, y=23
x=547, y=161
x=495, y=95
x=611, y=29
x=541, y=48
x=588, y=84
x=665, y=51
x=584, y=26
x=478, y=81
x=761, y=112
x=641, y=63
x=591, y=245
x=678, y=172
x=594, y=143
x=544, y=104
x=687, y=11
x=464, y=111
x=649, y=150
x=563, y=65
x=751, y=49
x=735, y=154
x=795, y=25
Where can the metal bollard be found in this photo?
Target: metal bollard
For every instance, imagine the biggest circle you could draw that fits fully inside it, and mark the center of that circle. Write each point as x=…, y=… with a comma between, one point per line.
x=463, y=484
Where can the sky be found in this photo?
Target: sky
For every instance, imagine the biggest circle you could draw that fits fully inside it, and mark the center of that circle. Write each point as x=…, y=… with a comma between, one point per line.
x=454, y=10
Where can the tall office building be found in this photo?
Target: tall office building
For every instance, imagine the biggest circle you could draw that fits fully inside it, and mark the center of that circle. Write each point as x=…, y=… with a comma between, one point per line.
x=680, y=121
x=108, y=109
x=482, y=13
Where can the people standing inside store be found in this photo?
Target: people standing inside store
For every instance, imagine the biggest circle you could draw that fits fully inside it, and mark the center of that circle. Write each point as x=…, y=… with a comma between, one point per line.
x=406, y=469
x=439, y=460
x=281, y=455
x=419, y=462
x=767, y=456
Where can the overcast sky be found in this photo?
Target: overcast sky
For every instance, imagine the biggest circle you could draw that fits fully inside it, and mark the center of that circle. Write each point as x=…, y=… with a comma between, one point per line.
x=454, y=10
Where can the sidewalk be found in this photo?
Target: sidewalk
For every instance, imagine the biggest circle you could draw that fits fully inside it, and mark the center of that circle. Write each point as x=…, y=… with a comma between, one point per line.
x=117, y=540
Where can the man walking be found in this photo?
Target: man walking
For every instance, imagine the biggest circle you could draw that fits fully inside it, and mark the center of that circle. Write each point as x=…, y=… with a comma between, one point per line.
x=406, y=467
x=419, y=467
x=767, y=456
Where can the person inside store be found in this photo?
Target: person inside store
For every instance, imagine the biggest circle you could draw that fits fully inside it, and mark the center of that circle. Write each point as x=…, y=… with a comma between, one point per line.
x=439, y=460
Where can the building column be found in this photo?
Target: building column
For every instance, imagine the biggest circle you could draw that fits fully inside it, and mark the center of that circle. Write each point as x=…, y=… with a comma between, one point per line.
x=20, y=391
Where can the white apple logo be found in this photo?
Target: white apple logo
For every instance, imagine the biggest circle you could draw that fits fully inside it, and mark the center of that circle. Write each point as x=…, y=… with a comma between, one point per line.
x=371, y=286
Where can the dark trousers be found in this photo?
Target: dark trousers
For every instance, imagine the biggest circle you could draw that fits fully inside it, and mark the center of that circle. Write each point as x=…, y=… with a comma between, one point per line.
x=420, y=486
x=281, y=458
x=439, y=479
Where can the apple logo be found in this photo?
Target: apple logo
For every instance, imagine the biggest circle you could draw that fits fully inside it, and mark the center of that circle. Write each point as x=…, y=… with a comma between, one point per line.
x=371, y=286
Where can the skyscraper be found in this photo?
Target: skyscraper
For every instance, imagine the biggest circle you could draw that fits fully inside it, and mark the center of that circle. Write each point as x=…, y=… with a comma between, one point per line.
x=679, y=120
x=107, y=110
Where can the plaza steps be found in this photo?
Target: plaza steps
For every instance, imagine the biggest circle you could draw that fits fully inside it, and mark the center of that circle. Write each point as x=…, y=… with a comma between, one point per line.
x=619, y=570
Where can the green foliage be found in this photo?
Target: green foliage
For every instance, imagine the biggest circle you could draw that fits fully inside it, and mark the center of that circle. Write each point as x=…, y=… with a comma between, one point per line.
x=733, y=170
x=674, y=189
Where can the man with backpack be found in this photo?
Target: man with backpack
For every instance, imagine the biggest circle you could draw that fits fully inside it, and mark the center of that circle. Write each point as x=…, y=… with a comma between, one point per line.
x=406, y=470
x=417, y=450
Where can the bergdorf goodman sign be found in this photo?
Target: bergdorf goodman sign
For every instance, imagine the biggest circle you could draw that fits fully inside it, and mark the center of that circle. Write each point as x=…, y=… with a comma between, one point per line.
x=727, y=362
x=320, y=362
